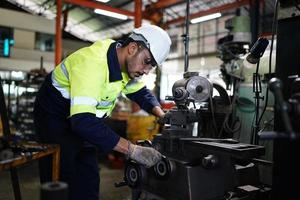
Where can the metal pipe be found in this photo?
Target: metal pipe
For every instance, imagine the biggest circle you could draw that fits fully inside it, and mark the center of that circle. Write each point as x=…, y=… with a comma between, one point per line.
x=186, y=37
x=255, y=18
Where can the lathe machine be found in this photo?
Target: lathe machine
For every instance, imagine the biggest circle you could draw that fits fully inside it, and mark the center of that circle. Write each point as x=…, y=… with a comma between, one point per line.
x=195, y=167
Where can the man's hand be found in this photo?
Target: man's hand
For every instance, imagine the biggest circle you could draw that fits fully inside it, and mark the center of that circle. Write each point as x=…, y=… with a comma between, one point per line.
x=158, y=112
x=161, y=120
x=144, y=155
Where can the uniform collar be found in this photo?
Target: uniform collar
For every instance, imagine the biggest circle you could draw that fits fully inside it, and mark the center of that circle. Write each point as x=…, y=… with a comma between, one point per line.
x=113, y=63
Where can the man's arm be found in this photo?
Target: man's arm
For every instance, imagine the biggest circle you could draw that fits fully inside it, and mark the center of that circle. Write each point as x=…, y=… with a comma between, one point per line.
x=158, y=112
x=122, y=146
x=145, y=99
x=93, y=130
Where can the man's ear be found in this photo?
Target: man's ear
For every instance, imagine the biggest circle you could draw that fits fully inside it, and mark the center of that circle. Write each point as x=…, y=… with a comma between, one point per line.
x=132, y=48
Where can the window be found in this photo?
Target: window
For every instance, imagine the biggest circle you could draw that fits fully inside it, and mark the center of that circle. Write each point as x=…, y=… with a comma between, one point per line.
x=6, y=41
x=44, y=42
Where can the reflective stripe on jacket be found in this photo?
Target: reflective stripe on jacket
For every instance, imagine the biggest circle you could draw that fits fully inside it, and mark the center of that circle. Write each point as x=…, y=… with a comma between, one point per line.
x=83, y=77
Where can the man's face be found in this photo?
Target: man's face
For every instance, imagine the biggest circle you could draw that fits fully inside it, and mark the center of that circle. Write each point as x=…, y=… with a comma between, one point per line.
x=139, y=63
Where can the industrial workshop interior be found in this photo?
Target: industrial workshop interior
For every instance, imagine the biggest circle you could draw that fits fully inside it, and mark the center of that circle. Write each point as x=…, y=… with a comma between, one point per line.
x=149, y=99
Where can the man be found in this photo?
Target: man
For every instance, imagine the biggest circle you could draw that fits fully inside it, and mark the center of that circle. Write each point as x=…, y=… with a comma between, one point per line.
x=82, y=90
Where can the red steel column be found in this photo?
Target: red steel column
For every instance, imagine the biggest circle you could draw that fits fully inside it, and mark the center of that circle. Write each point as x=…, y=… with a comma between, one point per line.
x=137, y=13
x=58, y=32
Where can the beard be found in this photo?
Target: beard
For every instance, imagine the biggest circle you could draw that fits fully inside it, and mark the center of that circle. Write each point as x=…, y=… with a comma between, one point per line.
x=130, y=64
x=127, y=64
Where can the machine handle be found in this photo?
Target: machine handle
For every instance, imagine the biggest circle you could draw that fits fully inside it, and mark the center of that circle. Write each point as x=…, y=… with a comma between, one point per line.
x=271, y=135
x=121, y=184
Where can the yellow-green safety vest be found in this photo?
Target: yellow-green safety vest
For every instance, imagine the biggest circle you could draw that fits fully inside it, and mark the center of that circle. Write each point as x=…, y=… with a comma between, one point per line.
x=83, y=77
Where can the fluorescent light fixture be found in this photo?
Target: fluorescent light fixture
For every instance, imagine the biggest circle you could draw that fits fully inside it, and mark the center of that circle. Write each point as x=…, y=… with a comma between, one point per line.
x=206, y=18
x=103, y=1
x=110, y=14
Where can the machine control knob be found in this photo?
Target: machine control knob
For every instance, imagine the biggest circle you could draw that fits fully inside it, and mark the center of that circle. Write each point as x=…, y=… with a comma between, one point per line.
x=199, y=89
x=209, y=161
x=180, y=94
x=135, y=174
x=164, y=168
x=144, y=143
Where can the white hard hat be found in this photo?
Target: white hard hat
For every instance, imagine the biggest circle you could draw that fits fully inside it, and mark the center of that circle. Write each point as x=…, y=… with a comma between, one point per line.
x=156, y=39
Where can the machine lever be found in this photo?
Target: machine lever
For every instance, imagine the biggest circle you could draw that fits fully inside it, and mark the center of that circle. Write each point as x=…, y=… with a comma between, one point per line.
x=121, y=184
x=271, y=135
x=276, y=86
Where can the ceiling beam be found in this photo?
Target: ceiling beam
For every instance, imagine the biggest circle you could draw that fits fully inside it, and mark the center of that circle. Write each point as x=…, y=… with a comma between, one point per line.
x=154, y=13
x=44, y=3
x=69, y=8
x=106, y=27
x=92, y=4
x=221, y=8
x=165, y=3
x=84, y=20
x=123, y=4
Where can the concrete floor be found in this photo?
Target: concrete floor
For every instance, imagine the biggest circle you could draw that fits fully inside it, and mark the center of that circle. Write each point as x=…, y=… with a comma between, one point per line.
x=29, y=183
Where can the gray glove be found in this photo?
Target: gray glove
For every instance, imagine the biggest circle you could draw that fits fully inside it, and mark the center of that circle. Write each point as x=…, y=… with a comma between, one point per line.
x=144, y=155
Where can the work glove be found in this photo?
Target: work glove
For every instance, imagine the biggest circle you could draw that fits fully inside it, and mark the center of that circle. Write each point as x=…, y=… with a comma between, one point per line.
x=147, y=156
x=165, y=119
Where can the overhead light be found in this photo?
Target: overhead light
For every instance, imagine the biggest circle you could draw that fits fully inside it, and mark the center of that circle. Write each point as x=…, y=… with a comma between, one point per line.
x=103, y=1
x=111, y=14
x=206, y=18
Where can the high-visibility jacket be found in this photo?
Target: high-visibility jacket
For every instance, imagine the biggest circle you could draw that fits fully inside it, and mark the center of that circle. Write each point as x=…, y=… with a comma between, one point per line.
x=83, y=77
x=85, y=84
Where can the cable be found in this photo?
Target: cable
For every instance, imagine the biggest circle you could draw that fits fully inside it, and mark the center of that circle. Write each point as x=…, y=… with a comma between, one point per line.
x=274, y=29
x=225, y=125
x=252, y=129
x=213, y=115
x=268, y=123
x=231, y=130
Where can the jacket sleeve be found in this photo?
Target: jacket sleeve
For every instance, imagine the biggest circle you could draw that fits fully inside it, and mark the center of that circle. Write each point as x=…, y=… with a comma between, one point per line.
x=144, y=98
x=93, y=130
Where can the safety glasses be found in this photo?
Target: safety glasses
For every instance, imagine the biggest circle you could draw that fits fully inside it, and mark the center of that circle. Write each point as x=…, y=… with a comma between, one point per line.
x=150, y=61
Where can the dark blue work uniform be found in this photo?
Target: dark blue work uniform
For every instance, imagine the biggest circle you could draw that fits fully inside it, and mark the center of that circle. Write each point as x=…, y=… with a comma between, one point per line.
x=79, y=136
